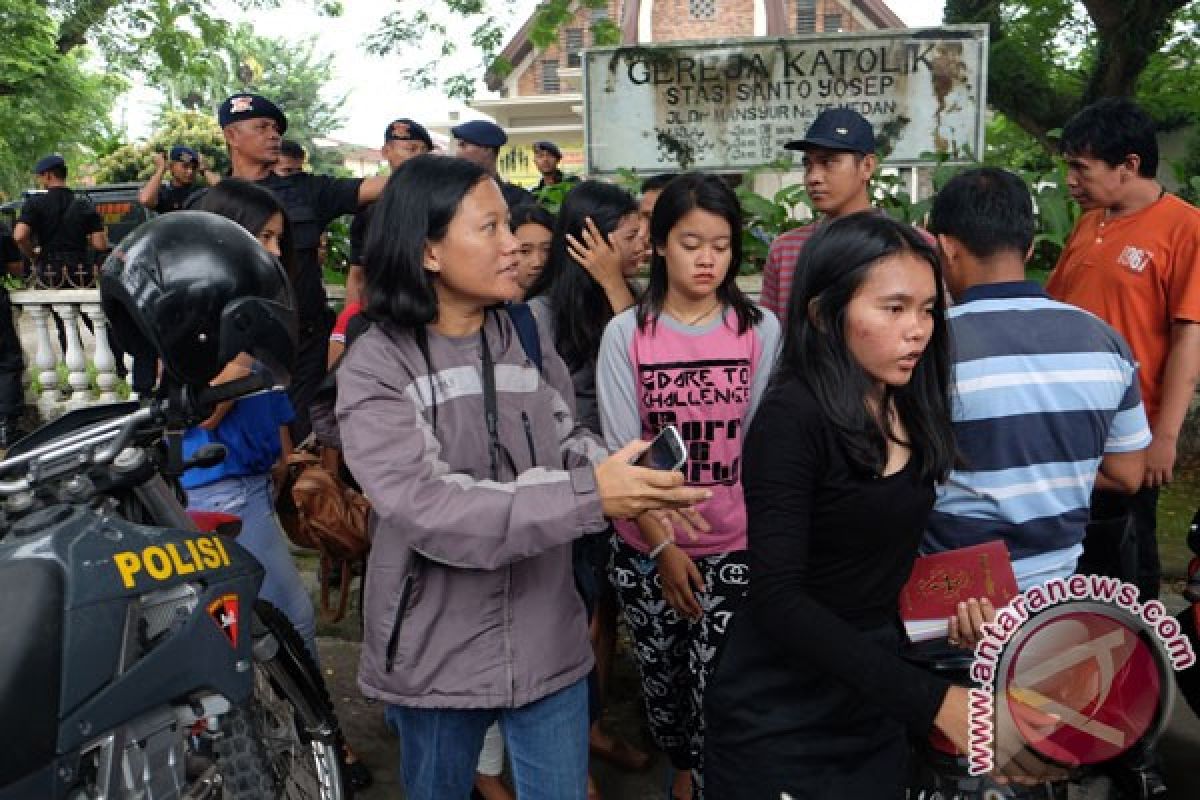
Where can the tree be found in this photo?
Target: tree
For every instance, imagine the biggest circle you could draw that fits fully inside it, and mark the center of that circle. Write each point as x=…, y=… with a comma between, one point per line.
x=1050, y=58
x=292, y=75
x=51, y=100
x=134, y=162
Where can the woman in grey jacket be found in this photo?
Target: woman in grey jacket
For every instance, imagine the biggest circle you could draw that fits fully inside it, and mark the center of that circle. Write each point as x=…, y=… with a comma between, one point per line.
x=479, y=479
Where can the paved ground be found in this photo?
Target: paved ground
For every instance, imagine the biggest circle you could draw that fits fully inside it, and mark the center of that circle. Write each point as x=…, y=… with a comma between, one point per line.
x=363, y=722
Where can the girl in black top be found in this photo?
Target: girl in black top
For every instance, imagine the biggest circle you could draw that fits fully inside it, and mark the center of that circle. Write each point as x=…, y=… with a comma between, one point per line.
x=811, y=697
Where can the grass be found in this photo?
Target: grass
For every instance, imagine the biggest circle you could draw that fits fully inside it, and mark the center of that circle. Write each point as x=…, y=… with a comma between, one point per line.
x=122, y=387
x=1176, y=505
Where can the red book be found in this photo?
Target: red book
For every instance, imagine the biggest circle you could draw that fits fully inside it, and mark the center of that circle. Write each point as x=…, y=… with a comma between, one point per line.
x=941, y=581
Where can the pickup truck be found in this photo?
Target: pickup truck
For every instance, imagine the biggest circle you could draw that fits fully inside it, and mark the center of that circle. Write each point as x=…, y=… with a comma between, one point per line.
x=117, y=204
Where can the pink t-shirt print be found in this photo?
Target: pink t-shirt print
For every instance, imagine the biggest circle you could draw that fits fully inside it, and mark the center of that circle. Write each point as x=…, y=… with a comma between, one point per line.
x=702, y=383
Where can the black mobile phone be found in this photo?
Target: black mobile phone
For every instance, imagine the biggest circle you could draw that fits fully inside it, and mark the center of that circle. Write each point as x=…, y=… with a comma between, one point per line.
x=667, y=451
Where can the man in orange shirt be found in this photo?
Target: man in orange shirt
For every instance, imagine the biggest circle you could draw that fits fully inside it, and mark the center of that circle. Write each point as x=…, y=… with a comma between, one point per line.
x=1132, y=260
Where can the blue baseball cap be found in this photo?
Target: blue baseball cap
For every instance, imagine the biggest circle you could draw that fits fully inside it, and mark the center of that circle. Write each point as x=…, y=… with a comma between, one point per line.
x=48, y=163
x=480, y=132
x=838, y=129
x=249, y=106
x=184, y=154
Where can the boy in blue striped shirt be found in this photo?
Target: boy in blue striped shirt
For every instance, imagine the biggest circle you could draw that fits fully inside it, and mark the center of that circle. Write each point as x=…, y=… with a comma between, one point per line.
x=1046, y=401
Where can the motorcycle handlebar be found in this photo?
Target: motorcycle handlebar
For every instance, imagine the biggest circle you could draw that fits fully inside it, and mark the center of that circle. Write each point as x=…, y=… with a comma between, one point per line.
x=254, y=382
x=102, y=442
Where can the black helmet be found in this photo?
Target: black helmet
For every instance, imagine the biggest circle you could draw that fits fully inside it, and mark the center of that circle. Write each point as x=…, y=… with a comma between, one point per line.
x=198, y=289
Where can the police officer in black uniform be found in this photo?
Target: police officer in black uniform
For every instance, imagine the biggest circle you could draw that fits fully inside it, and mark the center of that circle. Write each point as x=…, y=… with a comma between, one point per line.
x=184, y=163
x=12, y=365
x=546, y=156
x=480, y=141
x=63, y=225
x=253, y=128
x=403, y=139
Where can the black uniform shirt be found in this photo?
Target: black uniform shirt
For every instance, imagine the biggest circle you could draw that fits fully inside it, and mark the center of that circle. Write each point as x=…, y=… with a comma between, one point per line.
x=9, y=252
x=173, y=198
x=312, y=202
x=358, y=235
x=61, y=222
x=514, y=195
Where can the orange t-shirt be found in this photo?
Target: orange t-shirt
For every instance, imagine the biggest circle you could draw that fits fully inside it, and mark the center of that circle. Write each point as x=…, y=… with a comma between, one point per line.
x=1138, y=273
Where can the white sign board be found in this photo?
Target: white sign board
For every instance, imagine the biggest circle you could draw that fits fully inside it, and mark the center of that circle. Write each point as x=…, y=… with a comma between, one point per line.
x=730, y=105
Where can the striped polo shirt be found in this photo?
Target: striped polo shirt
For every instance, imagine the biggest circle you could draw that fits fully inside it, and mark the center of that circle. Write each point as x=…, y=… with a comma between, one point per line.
x=1042, y=391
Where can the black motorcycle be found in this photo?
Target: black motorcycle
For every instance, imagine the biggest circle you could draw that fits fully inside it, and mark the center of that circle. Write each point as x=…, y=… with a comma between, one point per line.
x=135, y=660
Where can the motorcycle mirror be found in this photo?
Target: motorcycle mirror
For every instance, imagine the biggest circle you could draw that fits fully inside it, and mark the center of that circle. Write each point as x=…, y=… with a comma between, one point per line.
x=209, y=455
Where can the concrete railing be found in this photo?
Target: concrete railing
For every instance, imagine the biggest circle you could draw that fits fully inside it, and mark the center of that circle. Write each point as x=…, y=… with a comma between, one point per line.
x=59, y=379
x=85, y=372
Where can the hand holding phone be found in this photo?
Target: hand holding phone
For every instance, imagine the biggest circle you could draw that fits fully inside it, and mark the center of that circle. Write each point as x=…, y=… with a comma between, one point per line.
x=666, y=452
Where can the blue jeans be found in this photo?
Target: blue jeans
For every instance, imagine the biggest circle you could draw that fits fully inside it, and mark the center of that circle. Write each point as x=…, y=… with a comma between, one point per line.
x=249, y=497
x=547, y=744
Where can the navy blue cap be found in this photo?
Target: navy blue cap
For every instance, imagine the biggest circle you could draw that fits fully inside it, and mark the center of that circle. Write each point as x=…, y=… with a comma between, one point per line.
x=549, y=147
x=480, y=132
x=838, y=129
x=184, y=154
x=249, y=106
x=48, y=163
x=406, y=130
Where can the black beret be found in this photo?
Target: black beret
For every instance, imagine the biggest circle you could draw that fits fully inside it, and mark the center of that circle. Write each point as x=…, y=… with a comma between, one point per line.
x=48, y=163
x=407, y=130
x=249, y=106
x=480, y=132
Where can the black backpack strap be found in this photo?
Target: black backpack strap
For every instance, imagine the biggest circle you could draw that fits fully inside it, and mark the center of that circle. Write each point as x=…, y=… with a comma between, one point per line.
x=527, y=331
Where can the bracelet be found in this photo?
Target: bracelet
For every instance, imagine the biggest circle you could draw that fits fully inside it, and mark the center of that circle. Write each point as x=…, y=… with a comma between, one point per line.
x=658, y=548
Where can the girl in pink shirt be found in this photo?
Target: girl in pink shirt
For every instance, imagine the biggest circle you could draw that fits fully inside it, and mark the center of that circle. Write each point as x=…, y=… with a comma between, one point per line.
x=694, y=353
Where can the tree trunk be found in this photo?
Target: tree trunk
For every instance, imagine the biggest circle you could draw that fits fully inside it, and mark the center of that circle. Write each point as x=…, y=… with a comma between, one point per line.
x=1025, y=84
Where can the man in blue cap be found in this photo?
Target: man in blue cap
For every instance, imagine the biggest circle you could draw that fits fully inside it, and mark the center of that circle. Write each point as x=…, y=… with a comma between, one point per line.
x=480, y=141
x=839, y=159
x=63, y=225
x=403, y=139
x=183, y=163
x=546, y=155
x=254, y=128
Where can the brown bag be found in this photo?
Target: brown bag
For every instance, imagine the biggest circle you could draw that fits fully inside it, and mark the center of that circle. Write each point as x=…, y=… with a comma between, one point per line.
x=320, y=512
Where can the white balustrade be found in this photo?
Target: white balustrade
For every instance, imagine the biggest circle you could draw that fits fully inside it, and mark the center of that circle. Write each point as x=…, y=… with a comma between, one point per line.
x=84, y=372
x=102, y=359
x=88, y=349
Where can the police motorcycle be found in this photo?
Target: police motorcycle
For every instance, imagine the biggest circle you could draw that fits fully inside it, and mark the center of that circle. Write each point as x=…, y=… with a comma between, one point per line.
x=1189, y=619
x=1131, y=697
x=135, y=661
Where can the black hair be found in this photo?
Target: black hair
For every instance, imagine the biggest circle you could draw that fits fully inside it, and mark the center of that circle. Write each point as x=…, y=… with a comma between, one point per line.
x=1111, y=130
x=690, y=191
x=416, y=207
x=250, y=206
x=832, y=267
x=658, y=181
x=988, y=209
x=59, y=171
x=530, y=214
x=579, y=304
x=292, y=149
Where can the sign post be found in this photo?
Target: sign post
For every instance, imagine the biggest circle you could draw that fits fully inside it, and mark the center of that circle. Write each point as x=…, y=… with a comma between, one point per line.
x=730, y=105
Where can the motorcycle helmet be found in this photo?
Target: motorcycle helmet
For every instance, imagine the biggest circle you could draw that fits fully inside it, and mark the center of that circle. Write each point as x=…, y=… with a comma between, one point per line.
x=198, y=289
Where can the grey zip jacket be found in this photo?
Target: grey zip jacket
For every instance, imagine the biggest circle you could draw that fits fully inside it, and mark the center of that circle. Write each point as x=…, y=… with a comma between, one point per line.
x=470, y=598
